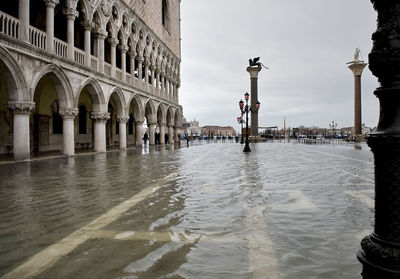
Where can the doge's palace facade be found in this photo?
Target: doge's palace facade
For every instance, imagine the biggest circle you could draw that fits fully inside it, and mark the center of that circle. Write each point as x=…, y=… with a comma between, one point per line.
x=88, y=74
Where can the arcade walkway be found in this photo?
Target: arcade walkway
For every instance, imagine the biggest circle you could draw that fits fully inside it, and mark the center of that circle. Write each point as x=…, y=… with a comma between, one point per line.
x=209, y=211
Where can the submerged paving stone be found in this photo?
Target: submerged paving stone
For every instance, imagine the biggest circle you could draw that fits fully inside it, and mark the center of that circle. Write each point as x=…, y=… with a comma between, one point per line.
x=209, y=211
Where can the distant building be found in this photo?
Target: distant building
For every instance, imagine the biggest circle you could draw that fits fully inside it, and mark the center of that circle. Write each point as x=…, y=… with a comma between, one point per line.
x=218, y=130
x=191, y=128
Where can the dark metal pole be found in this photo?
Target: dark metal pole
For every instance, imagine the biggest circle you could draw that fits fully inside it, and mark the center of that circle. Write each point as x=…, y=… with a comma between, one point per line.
x=246, y=146
x=380, y=251
x=241, y=132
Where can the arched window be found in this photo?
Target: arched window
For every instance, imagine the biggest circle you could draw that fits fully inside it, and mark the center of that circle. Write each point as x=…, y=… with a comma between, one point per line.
x=82, y=119
x=165, y=14
x=57, y=119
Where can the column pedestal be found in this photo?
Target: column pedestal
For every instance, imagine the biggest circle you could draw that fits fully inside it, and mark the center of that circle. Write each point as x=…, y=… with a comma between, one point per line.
x=21, y=112
x=139, y=133
x=122, y=131
x=68, y=116
x=100, y=119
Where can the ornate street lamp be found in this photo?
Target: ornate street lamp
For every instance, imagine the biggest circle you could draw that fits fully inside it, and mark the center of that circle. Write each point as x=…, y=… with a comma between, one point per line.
x=245, y=109
x=240, y=121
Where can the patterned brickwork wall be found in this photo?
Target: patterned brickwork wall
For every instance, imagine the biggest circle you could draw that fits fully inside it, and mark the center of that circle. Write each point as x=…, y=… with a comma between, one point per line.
x=151, y=12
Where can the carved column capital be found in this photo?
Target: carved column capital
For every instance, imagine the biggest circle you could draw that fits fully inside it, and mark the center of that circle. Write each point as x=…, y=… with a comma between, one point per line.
x=69, y=113
x=122, y=119
x=51, y=3
x=100, y=116
x=113, y=42
x=19, y=107
x=123, y=48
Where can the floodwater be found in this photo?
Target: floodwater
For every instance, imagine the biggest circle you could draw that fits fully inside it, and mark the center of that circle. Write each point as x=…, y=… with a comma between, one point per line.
x=283, y=210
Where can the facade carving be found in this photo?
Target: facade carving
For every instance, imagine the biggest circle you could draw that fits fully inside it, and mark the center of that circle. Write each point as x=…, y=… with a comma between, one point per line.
x=87, y=60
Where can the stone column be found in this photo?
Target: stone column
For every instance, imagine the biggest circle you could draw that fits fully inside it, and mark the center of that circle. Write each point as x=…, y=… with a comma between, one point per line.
x=132, y=56
x=113, y=43
x=157, y=81
x=101, y=36
x=71, y=14
x=357, y=67
x=139, y=133
x=170, y=134
x=23, y=15
x=162, y=83
x=88, y=27
x=50, y=5
x=380, y=251
x=68, y=116
x=162, y=133
x=176, y=135
x=123, y=49
x=253, y=71
x=122, y=131
x=153, y=70
x=146, y=73
x=152, y=133
x=21, y=112
x=140, y=66
x=100, y=119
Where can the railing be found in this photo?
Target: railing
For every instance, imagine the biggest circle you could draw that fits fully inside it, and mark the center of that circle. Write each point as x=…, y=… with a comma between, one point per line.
x=79, y=56
x=9, y=25
x=107, y=68
x=128, y=78
x=37, y=37
x=60, y=48
x=94, y=63
x=118, y=73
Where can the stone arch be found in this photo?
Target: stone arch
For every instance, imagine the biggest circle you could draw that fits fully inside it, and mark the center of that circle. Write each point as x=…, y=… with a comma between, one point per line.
x=138, y=112
x=60, y=81
x=161, y=114
x=118, y=96
x=95, y=92
x=150, y=111
x=170, y=116
x=16, y=84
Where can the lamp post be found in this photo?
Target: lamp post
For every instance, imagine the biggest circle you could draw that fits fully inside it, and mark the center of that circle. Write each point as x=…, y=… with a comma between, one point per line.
x=333, y=126
x=245, y=109
x=240, y=121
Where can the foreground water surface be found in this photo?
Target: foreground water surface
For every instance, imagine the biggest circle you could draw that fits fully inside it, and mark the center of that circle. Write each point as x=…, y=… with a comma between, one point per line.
x=209, y=211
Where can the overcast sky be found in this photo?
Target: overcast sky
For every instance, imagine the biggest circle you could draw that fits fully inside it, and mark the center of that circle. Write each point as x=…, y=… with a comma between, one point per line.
x=306, y=45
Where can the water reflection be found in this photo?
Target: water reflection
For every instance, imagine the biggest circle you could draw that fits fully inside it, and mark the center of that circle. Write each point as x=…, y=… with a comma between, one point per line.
x=281, y=211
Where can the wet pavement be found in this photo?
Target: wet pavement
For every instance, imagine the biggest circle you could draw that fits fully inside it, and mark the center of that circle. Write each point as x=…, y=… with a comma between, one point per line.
x=284, y=210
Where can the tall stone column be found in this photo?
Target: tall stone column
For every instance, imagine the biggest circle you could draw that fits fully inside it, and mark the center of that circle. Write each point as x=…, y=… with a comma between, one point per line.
x=176, y=135
x=152, y=133
x=380, y=251
x=357, y=67
x=113, y=42
x=153, y=70
x=146, y=73
x=71, y=14
x=139, y=133
x=21, y=112
x=68, y=116
x=123, y=49
x=170, y=134
x=87, y=27
x=122, y=131
x=101, y=36
x=140, y=66
x=100, y=119
x=253, y=71
x=162, y=84
x=162, y=133
x=50, y=5
x=132, y=57
x=157, y=81
x=23, y=15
